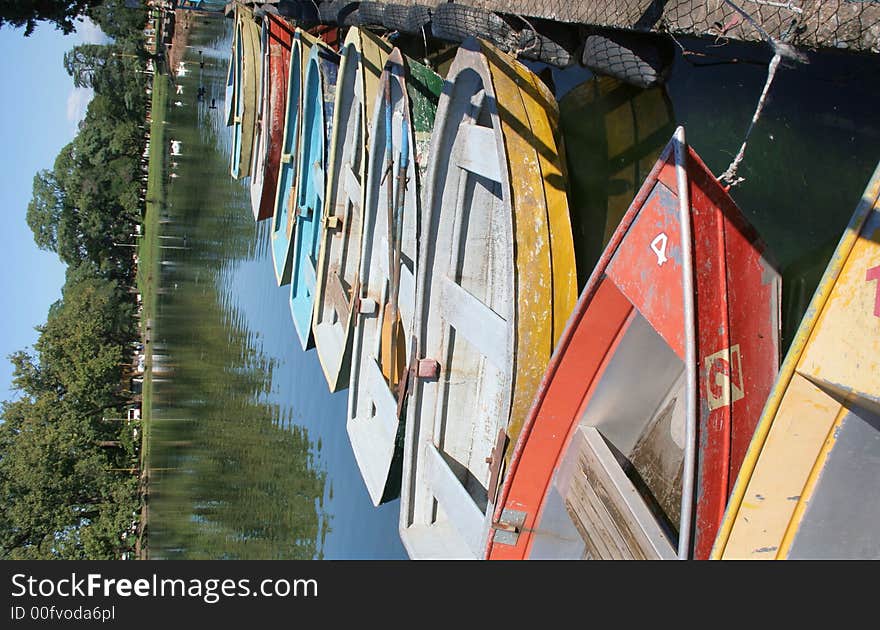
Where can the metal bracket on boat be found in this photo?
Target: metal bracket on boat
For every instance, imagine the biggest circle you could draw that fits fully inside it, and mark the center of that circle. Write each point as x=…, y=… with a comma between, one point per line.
x=509, y=526
x=286, y=158
x=305, y=212
x=332, y=222
x=367, y=306
x=428, y=369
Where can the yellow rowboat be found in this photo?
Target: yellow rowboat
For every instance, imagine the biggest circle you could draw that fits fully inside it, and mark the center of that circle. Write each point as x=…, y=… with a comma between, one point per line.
x=363, y=57
x=285, y=192
x=807, y=487
x=246, y=103
x=405, y=107
x=496, y=284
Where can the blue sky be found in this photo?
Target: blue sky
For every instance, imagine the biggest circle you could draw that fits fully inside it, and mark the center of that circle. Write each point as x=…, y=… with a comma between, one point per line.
x=39, y=111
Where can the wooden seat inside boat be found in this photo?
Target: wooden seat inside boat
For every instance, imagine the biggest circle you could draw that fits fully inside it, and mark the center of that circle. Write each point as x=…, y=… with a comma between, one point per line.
x=617, y=493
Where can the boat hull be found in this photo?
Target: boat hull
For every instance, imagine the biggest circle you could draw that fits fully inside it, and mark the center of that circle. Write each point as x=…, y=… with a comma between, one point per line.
x=231, y=75
x=277, y=40
x=363, y=57
x=319, y=90
x=806, y=487
x=615, y=389
x=496, y=283
x=244, y=121
x=285, y=189
x=375, y=410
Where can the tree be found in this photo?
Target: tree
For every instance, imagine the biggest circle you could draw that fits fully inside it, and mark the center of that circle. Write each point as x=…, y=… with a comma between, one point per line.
x=118, y=20
x=27, y=13
x=85, y=63
x=54, y=485
x=81, y=345
x=45, y=209
x=61, y=494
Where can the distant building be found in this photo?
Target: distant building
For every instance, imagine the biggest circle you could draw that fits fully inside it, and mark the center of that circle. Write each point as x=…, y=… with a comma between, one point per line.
x=202, y=5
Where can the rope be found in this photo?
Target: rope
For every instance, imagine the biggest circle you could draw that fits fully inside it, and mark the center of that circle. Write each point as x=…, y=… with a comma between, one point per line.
x=780, y=50
x=730, y=175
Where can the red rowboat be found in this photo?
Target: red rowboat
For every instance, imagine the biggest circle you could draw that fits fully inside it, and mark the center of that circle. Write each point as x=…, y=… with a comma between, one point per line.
x=272, y=115
x=645, y=413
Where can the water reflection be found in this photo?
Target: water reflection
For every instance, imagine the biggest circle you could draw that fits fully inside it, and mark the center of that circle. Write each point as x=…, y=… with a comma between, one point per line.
x=250, y=458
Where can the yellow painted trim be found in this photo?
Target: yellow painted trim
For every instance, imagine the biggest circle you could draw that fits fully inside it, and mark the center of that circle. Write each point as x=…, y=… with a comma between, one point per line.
x=543, y=114
x=528, y=123
x=805, y=332
x=374, y=54
x=810, y=486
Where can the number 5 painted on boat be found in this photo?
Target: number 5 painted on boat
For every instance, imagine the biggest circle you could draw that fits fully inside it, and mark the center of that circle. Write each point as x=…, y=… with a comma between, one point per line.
x=658, y=246
x=874, y=274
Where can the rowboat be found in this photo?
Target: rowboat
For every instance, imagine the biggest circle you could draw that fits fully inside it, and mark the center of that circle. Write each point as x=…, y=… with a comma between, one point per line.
x=806, y=488
x=277, y=37
x=231, y=77
x=496, y=282
x=261, y=130
x=285, y=191
x=248, y=71
x=362, y=58
x=319, y=90
x=383, y=319
x=652, y=396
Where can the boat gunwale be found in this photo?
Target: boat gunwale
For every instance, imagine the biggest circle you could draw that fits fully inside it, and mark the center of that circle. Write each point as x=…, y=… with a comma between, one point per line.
x=260, y=152
x=395, y=70
x=365, y=45
x=301, y=43
x=320, y=54
x=276, y=57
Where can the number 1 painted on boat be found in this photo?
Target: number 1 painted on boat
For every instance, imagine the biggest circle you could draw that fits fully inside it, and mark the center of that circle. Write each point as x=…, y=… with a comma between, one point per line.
x=874, y=275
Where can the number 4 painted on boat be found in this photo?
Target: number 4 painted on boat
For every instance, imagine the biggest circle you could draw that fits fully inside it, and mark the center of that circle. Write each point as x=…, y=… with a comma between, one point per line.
x=658, y=246
x=874, y=274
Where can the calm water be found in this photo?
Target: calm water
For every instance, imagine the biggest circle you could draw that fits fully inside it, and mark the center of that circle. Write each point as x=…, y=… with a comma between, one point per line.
x=258, y=456
x=251, y=454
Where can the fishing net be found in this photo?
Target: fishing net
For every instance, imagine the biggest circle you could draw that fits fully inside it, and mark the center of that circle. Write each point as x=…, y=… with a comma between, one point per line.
x=848, y=24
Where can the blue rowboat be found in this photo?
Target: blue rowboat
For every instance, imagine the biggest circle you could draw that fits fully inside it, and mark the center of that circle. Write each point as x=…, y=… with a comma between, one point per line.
x=319, y=90
x=285, y=192
x=246, y=102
